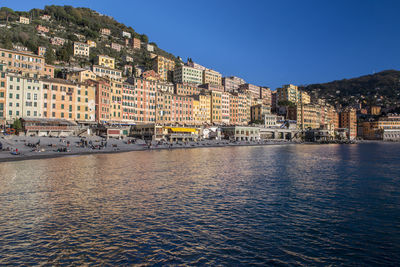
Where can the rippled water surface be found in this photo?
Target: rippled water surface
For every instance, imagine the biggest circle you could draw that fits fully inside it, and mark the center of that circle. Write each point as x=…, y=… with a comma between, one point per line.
x=267, y=205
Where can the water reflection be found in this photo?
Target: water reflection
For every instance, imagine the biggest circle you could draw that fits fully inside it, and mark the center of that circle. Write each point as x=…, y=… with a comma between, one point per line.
x=286, y=204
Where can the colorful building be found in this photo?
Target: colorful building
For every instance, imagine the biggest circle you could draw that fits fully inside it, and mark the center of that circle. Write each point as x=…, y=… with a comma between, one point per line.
x=81, y=49
x=348, y=120
x=186, y=74
x=186, y=89
x=59, y=99
x=23, y=62
x=216, y=107
x=105, y=61
x=232, y=83
x=212, y=77
x=254, y=90
x=163, y=66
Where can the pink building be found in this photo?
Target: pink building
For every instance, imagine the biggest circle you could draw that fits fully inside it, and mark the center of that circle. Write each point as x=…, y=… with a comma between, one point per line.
x=41, y=28
x=116, y=47
x=182, y=109
x=225, y=108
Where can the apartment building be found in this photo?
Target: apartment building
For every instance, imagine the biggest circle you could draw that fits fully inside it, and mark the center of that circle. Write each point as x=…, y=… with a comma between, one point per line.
x=126, y=34
x=91, y=43
x=225, y=108
x=186, y=89
x=42, y=51
x=348, y=120
x=165, y=87
x=232, y=83
x=81, y=76
x=254, y=90
x=163, y=107
x=128, y=103
x=81, y=49
x=145, y=95
x=85, y=102
x=59, y=99
x=163, y=66
x=24, y=99
x=3, y=93
x=58, y=41
x=136, y=44
x=116, y=47
x=216, y=107
x=116, y=95
x=287, y=92
x=202, y=113
x=212, y=77
x=24, y=20
x=102, y=100
x=186, y=74
x=105, y=72
x=23, y=62
x=42, y=29
x=212, y=87
x=105, y=31
x=105, y=61
x=182, y=109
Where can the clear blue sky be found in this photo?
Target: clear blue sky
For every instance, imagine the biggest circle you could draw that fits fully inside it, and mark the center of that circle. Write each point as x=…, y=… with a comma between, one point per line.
x=265, y=42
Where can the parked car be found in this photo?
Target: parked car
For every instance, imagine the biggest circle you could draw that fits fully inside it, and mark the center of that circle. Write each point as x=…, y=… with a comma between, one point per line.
x=1, y=146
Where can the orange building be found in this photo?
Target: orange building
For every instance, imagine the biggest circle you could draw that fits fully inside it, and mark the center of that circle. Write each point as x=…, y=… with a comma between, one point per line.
x=102, y=100
x=186, y=89
x=145, y=95
x=348, y=120
x=3, y=93
x=59, y=99
x=24, y=62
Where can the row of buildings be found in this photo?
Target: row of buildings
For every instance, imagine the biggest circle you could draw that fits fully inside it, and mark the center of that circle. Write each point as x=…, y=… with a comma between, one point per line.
x=197, y=96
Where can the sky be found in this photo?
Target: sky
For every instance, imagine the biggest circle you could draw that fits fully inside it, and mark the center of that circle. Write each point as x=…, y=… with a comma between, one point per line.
x=265, y=42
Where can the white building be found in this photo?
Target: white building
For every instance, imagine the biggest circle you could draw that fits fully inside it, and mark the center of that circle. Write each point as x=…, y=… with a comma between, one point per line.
x=126, y=34
x=24, y=97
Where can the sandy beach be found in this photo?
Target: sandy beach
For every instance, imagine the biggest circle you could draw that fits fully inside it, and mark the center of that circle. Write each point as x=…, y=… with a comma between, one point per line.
x=49, y=147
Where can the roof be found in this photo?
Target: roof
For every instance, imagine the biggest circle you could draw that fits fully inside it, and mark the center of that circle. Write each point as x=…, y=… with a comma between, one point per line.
x=50, y=121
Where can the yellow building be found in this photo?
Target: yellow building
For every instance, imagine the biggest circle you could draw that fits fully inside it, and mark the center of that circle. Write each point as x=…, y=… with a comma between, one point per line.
x=212, y=77
x=116, y=101
x=202, y=109
x=85, y=102
x=287, y=92
x=304, y=98
x=91, y=43
x=385, y=128
x=163, y=66
x=307, y=116
x=24, y=62
x=81, y=49
x=24, y=20
x=105, y=61
x=3, y=93
x=59, y=99
x=163, y=108
x=216, y=107
x=81, y=76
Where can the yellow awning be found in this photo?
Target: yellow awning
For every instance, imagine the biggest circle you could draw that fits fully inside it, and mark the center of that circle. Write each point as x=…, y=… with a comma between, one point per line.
x=182, y=130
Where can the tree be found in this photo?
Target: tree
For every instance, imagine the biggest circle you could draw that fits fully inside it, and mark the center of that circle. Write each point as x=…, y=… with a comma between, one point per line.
x=50, y=56
x=17, y=126
x=144, y=38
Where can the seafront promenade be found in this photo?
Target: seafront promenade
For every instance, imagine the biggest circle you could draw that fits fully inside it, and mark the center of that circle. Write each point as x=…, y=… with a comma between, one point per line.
x=23, y=147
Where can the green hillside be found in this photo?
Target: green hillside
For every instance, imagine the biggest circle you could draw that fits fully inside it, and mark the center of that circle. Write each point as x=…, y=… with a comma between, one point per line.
x=382, y=89
x=66, y=22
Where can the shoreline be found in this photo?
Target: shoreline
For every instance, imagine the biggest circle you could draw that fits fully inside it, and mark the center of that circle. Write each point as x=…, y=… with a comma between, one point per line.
x=47, y=155
x=141, y=147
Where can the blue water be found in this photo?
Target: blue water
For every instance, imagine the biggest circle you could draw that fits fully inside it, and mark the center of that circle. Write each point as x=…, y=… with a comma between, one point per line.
x=268, y=205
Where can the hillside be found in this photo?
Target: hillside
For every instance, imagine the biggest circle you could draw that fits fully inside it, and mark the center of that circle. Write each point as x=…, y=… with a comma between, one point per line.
x=72, y=24
x=382, y=88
